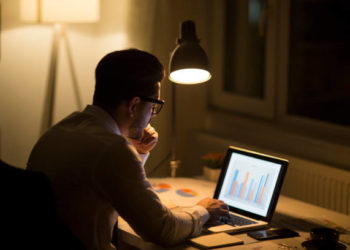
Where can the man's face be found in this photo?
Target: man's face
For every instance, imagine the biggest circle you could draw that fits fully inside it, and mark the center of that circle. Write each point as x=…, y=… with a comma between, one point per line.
x=143, y=117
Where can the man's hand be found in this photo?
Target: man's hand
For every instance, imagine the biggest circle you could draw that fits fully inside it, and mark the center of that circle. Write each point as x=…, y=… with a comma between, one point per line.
x=216, y=208
x=147, y=142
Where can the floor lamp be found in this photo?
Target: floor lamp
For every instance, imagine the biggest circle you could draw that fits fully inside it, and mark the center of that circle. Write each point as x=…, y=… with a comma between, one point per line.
x=58, y=12
x=188, y=65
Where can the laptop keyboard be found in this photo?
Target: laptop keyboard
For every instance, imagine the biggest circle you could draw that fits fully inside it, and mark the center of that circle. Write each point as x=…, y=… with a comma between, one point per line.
x=235, y=220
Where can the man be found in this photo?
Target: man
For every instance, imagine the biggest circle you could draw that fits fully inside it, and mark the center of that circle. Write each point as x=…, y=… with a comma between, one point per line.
x=95, y=159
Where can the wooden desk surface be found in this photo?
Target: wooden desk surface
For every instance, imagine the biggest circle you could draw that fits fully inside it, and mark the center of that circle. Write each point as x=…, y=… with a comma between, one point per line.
x=290, y=213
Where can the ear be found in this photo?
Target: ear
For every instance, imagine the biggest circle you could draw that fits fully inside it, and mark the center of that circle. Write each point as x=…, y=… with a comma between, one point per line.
x=133, y=105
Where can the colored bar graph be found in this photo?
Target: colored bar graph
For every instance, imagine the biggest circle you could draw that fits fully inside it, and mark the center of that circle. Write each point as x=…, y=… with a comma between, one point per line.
x=234, y=182
x=259, y=188
x=240, y=189
x=244, y=184
x=251, y=194
x=262, y=190
x=248, y=188
x=254, y=188
x=261, y=193
x=233, y=187
x=266, y=180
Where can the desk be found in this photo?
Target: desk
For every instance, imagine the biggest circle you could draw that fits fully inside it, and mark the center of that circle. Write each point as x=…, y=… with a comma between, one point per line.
x=289, y=213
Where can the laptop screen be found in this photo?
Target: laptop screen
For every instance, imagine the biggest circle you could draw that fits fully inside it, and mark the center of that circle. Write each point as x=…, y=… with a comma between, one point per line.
x=250, y=181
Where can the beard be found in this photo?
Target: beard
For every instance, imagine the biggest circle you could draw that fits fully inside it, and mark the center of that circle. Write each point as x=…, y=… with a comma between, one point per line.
x=135, y=133
x=136, y=129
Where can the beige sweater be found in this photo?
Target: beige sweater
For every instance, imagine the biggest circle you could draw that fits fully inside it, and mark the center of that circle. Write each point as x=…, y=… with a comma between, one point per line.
x=97, y=175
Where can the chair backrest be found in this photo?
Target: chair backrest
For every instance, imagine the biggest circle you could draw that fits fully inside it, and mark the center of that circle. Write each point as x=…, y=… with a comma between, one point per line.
x=28, y=214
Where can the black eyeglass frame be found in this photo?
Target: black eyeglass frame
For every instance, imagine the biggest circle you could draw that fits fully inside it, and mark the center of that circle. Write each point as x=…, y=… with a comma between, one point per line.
x=156, y=101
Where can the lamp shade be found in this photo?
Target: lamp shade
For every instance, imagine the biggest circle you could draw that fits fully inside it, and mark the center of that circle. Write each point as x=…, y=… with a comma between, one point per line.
x=60, y=11
x=188, y=62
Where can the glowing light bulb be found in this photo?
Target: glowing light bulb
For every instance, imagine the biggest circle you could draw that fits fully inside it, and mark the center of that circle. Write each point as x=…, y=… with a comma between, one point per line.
x=190, y=76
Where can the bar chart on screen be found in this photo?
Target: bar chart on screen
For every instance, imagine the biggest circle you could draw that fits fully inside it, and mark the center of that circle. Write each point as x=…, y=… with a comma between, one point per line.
x=250, y=185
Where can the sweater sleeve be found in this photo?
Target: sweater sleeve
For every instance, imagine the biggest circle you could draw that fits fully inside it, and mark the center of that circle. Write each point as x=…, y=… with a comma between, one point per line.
x=143, y=158
x=120, y=177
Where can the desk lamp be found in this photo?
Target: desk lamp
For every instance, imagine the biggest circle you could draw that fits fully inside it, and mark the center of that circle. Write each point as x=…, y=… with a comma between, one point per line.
x=58, y=12
x=188, y=65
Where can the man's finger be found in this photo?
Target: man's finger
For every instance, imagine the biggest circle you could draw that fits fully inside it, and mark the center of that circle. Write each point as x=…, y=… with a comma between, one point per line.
x=149, y=139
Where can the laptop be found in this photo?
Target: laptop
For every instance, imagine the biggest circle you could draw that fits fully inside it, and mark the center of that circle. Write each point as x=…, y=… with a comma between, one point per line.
x=250, y=184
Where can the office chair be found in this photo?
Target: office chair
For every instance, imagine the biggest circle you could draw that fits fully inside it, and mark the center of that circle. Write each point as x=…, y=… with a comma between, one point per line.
x=28, y=214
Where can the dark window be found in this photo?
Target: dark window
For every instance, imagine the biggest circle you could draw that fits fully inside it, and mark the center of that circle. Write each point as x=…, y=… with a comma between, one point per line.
x=319, y=80
x=245, y=47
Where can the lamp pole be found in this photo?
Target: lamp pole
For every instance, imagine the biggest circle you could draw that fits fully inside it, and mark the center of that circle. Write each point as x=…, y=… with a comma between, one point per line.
x=51, y=81
x=58, y=34
x=174, y=163
x=188, y=65
x=58, y=12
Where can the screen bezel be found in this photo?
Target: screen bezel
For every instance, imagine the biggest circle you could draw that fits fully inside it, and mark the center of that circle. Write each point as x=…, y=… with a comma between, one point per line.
x=280, y=178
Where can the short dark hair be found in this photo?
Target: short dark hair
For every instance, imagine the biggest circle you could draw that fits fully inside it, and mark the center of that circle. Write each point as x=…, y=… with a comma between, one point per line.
x=121, y=75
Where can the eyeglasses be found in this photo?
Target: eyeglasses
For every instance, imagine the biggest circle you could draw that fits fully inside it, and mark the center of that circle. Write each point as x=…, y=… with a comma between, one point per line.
x=157, y=104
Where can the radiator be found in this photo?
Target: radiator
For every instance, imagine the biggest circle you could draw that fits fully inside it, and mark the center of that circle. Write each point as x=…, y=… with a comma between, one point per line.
x=305, y=180
x=318, y=184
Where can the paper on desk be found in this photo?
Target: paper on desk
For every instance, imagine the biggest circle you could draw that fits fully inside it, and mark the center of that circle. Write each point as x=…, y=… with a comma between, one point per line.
x=182, y=192
x=216, y=240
